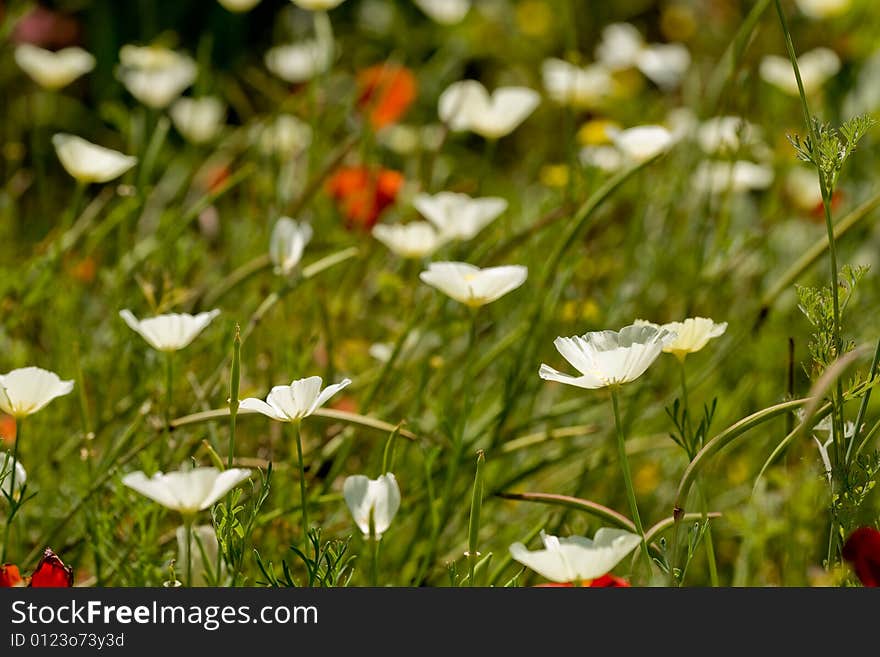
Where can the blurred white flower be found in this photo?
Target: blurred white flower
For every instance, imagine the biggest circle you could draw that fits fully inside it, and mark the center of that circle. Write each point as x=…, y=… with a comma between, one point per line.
x=286, y=246
x=88, y=162
x=717, y=176
x=815, y=66
x=577, y=558
x=445, y=12
x=294, y=402
x=818, y=9
x=619, y=46
x=186, y=491
x=239, y=6
x=642, y=142
x=203, y=552
x=317, y=5
x=727, y=135
x=299, y=62
x=284, y=135
x=416, y=239
x=864, y=96
x=467, y=105
x=691, y=335
x=169, y=332
x=459, y=216
x=605, y=158
x=199, y=120
x=471, y=285
x=802, y=187
x=664, y=64
x=607, y=358
x=26, y=390
x=364, y=496
x=578, y=86
x=155, y=75
x=53, y=70
x=7, y=463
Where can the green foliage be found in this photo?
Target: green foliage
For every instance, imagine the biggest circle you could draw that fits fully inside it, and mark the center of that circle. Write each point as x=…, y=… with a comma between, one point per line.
x=829, y=150
x=330, y=564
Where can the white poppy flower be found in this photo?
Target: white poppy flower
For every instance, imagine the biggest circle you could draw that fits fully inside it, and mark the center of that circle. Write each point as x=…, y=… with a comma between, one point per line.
x=471, y=285
x=578, y=86
x=642, y=142
x=577, y=558
x=664, y=63
x=7, y=463
x=186, y=491
x=458, y=216
x=605, y=158
x=203, y=541
x=284, y=135
x=88, y=162
x=818, y=9
x=619, y=46
x=815, y=66
x=416, y=239
x=26, y=390
x=294, y=402
x=53, y=70
x=727, y=134
x=317, y=5
x=199, y=120
x=467, y=105
x=239, y=6
x=380, y=496
x=155, y=75
x=691, y=335
x=289, y=239
x=445, y=12
x=169, y=332
x=299, y=62
x=718, y=176
x=802, y=186
x=607, y=358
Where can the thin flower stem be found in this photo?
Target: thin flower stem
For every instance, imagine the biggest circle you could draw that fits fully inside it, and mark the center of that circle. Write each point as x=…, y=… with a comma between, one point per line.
x=234, y=381
x=627, y=476
x=169, y=390
x=474, y=525
x=12, y=506
x=374, y=544
x=863, y=407
x=302, y=481
x=188, y=523
x=76, y=200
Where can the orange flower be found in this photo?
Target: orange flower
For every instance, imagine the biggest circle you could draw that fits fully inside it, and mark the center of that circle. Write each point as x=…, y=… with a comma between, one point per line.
x=84, y=270
x=9, y=576
x=385, y=93
x=49, y=573
x=362, y=194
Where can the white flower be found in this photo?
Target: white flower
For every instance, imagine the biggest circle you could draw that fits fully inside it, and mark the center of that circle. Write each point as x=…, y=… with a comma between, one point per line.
x=202, y=555
x=823, y=454
x=691, y=335
x=284, y=135
x=6, y=465
x=88, y=162
x=380, y=496
x=727, y=134
x=458, y=216
x=53, y=70
x=642, y=142
x=169, y=332
x=664, y=63
x=289, y=239
x=619, y=46
x=605, y=158
x=606, y=358
x=445, y=12
x=294, y=402
x=416, y=239
x=824, y=427
x=818, y=9
x=198, y=119
x=26, y=390
x=155, y=75
x=317, y=5
x=239, y=6
x=577, y=558
x=471, y=285
x=719, y=176
x=815, y=66
x=186, y=491
x=299, y=62
x=467, y=105
x=802, y=186
x=582, y=87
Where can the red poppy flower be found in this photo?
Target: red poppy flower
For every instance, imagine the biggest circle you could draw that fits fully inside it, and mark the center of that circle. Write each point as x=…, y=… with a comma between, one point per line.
x=46, y=28
x=385, y=93
x=362, y=194
x=9, y=576
x=862, y=550
x=7, y=429
x=51, y=572
x=607, y=581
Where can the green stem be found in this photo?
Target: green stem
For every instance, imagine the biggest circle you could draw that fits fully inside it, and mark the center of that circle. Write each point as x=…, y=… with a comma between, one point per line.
x=374, y=542
x=302, y=482
x=627, y=476
x=169, y=390
x=13, y=507
x=187, y=523
x=710, y=545
x=73, y=209
x=474, y=528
